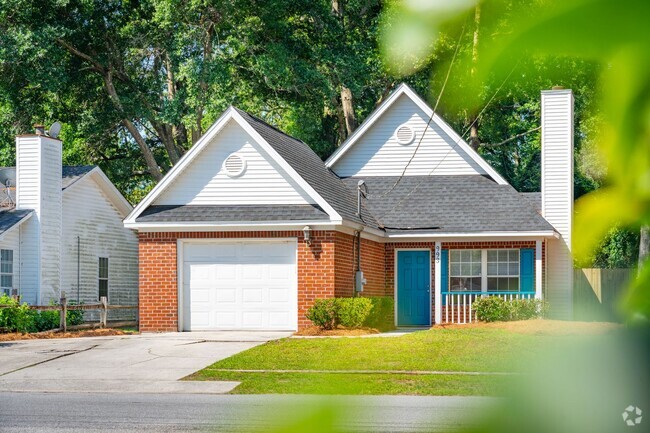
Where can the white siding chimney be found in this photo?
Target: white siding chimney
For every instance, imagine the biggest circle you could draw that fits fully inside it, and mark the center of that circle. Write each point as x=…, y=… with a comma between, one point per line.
x=557, y=197
x=38, y=187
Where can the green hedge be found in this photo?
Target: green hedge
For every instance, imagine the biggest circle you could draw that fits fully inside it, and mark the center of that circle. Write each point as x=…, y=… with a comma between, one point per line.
x=374, y=312
x=382, y=314
x=497, y=309
x=20, y=318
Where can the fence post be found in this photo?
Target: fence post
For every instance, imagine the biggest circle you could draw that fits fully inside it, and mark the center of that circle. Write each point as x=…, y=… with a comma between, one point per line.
x=64, y=312
x=103, y=312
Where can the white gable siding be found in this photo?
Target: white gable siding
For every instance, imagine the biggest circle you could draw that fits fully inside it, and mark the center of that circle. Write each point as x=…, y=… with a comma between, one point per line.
x=377, y=153
x=11, y=241
x=204, y=181
x=89, y=215
x=557, y=196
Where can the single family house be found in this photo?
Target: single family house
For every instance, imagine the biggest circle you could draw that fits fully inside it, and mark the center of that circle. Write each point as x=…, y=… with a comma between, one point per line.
x=61, y=229
x=251, y=226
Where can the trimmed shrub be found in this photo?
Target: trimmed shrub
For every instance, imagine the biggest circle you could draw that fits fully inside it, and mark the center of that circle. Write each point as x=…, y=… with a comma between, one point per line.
x=526, y=309
x=17, y=317
x=324, y=313
x=495, y=308
x=353, y=312
x=332, y=312
x=491, y=309
x=381, y=315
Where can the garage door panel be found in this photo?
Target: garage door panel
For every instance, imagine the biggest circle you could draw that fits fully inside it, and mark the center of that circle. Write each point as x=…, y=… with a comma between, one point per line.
x=278, y=296
x=225, y=319
x=225, y=271
x=253, y=319
x=240, y=285
x=277, y=318
x=225, y=295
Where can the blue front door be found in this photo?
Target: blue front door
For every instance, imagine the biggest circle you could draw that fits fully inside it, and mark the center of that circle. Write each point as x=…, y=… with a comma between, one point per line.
x=413, y=285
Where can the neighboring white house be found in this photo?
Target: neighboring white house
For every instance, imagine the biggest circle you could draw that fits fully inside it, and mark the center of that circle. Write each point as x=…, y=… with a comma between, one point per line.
x=61, y=230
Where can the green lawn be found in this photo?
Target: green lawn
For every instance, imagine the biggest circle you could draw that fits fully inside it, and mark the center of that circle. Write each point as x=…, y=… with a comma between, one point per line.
x=456, y=349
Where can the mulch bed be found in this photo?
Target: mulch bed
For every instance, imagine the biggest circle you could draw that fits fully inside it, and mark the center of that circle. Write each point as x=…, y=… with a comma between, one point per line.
x=542, y=327
x=14, y=336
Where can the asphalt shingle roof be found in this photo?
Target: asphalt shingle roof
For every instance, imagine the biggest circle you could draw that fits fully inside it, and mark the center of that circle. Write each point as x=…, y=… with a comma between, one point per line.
x=449, y=204
x=313, y=170
x=231, y=213
x=11, y=217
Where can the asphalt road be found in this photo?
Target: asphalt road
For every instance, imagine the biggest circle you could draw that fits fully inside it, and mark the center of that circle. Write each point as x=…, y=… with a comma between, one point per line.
x=81, y=412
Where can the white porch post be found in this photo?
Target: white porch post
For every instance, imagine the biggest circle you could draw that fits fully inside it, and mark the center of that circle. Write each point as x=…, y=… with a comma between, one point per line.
x=438, y=284
x=538, y=270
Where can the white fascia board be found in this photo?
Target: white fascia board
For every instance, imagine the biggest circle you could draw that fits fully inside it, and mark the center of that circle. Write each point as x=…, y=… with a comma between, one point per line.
x=229, y=114
x=15, y=226
x=483, y=236
x=232, y=226
x=370, y=120
x=405, y=89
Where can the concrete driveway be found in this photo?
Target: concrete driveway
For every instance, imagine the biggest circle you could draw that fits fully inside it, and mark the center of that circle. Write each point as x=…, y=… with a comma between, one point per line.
x=148, y=363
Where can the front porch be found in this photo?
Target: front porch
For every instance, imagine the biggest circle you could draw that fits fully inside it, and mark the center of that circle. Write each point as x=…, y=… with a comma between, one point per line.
x=457, y=274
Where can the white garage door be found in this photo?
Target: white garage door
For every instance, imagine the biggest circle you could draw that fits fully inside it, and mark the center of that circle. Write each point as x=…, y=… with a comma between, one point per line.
x=240, y=285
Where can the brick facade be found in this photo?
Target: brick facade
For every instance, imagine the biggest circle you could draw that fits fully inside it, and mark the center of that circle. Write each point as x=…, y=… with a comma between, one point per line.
x=158, y=306
x=326, y=268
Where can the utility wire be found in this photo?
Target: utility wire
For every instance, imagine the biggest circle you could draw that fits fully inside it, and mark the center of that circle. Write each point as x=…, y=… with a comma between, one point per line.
x=426, y=128
x=514, y=137
x=452, y=148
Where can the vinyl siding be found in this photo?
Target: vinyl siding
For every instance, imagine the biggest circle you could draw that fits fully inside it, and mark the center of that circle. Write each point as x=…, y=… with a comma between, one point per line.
x=377, y=152
x=204, y=181
x=90, y=215
x=50, y=218
x=557, y=196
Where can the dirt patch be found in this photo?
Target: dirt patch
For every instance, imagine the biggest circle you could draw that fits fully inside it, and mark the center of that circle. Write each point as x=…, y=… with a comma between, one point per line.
x=340, y=331
x=544, y=327
x=73, y=334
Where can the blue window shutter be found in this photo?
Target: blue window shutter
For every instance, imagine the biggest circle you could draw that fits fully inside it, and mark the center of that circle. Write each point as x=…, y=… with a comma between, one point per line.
x=527, y=269
x=444, y=273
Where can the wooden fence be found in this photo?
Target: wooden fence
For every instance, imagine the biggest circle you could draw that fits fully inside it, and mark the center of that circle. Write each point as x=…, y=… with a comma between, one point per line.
x=598, y=292
x=102, y=306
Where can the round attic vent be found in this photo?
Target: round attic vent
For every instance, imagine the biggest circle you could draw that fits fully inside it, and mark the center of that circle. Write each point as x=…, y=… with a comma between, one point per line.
x=404, y=134
x=234, y=165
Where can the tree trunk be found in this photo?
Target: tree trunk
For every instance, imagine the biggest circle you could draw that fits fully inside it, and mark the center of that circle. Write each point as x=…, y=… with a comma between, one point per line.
x=474, y=140
x=152, y=165
x=644, y=246
x=170, y=135
x=348, y=110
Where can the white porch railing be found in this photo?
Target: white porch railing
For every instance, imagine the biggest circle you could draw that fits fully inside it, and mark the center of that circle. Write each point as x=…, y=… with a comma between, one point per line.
x=457, y=307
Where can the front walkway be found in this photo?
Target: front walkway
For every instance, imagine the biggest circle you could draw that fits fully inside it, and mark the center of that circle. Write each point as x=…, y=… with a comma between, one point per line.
x=148, y=363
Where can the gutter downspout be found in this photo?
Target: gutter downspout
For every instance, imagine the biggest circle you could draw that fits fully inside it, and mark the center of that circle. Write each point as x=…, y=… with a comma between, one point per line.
x=357, y=237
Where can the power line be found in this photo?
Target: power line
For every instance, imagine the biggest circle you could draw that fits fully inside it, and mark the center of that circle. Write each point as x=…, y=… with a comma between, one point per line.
x=415, y=188
x=426, y=128
x=514, y=137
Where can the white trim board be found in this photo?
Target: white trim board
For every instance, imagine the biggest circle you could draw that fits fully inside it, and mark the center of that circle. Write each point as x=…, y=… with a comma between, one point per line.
x=230, y=114
x=404, y=89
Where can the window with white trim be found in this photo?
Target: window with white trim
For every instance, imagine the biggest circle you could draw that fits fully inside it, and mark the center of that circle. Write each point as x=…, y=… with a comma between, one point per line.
x=6, y=271
x=503, y=270
x=465, y=270
x=103, y=277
